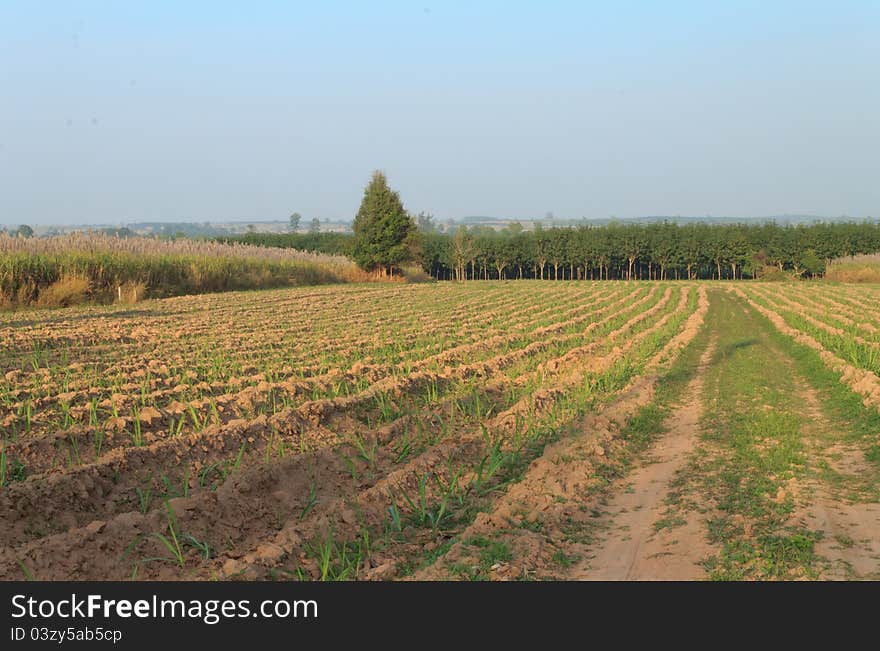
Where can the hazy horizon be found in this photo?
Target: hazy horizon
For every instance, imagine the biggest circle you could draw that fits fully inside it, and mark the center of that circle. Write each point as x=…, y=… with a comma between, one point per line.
x=120, y=113
x=471, y=220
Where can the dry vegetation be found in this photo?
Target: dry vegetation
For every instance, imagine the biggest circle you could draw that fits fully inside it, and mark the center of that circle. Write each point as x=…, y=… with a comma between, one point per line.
x=855, y=269
x=70, y=269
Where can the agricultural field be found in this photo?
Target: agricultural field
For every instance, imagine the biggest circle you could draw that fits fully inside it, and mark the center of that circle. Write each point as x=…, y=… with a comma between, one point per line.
x=491, y=430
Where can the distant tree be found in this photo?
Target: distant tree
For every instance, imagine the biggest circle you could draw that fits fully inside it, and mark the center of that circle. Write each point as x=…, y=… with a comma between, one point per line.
x=123, y=231
x=737, y=250
x=295, y=219
x=634, y=245
x=25, y=231
x=384, y=234
x=251, y=228
x=434, y=255
x=718, y=248
x=540, y=250
x=502, y=256
x=486, y=249
x=604, y=247
x=425, y=223
x=557, y=249
x=665, y=246
x=809, y=263
x=462, y=249
x=315, y=225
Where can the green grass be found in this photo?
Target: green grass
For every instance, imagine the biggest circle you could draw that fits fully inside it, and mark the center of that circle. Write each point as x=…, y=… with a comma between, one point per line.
x=10, y=470
x=491, y=552
x=756, y=441
x=856, y=424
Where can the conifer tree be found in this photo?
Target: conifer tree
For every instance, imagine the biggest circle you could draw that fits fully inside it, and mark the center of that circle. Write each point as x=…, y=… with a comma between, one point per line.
x=383, y=231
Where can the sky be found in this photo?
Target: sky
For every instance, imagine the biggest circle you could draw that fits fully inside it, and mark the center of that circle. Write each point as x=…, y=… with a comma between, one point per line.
x=114, y=112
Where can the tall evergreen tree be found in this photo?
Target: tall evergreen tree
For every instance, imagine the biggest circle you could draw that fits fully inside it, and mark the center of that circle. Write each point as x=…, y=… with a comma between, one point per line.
x=383, y=231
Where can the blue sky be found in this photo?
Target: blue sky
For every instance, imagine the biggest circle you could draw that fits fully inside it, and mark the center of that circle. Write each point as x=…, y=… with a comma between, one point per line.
x=113, y=112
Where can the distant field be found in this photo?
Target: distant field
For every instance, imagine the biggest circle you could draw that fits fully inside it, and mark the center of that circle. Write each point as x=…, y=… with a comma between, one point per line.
x=495, y=430
x=70, y=269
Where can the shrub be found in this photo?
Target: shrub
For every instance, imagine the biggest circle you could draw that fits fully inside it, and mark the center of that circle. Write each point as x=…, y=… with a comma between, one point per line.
x=414, y=274
x=770, y=273
x=131, y=292
x=66, y=291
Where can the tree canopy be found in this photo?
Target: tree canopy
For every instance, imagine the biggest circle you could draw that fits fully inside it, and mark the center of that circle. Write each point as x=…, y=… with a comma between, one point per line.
x=383, y=231
x=664, y=250
x=645, y=251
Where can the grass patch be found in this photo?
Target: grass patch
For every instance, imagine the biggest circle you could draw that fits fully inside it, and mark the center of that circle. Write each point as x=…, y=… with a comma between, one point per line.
x=755, y=432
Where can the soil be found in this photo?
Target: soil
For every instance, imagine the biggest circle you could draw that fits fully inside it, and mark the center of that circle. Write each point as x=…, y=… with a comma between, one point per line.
x=636, y=545
x=269, y=427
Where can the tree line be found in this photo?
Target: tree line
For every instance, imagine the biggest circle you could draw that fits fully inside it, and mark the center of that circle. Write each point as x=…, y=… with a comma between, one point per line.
x=659, y=251
x=386, y=236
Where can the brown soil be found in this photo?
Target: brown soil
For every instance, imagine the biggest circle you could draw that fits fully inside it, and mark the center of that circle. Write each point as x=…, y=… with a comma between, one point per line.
x=545, y=515
x=638, y=546
x=851, y=541
x=849, y=521
x=283, y=458
x=300, y=472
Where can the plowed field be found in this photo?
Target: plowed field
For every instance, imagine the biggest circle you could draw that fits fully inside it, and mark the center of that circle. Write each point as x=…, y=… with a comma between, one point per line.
x=378, y=432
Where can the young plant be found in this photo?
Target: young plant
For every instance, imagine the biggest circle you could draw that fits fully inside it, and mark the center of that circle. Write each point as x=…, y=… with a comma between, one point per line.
x=311, y=501
x=10, y=470
x=172, y=540
x=145, y=498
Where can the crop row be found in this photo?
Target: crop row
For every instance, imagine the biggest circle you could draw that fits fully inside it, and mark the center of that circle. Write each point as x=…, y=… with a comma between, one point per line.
x=252, y=493
x=856, y=363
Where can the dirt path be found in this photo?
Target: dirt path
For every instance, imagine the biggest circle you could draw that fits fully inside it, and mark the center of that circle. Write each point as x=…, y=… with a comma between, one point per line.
x=643, y=542
x=745, y=463
x=839, y=502
x=758, y=474
x=850, y=544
